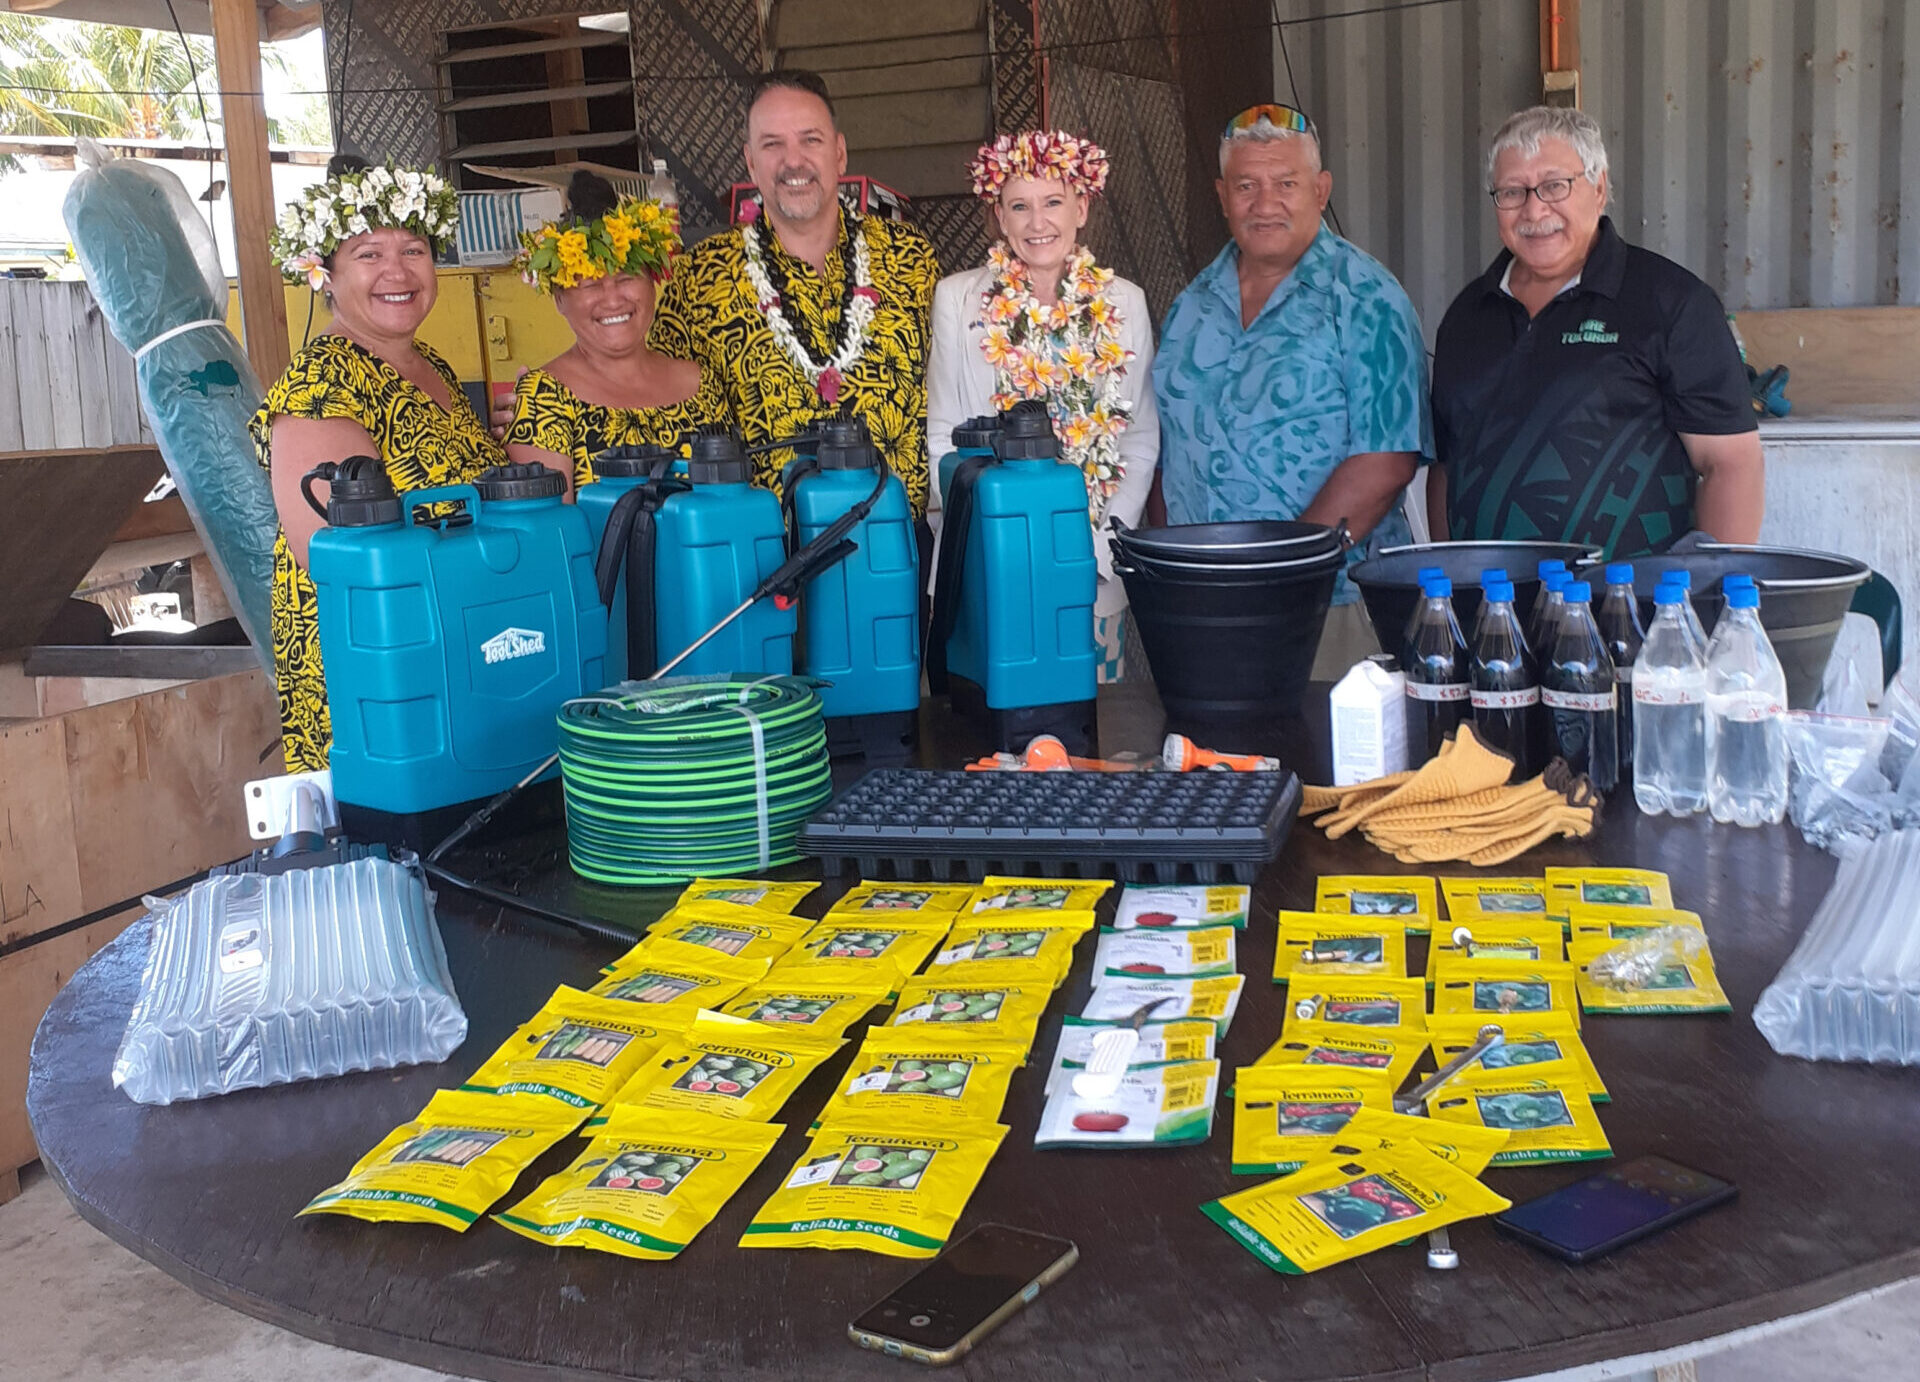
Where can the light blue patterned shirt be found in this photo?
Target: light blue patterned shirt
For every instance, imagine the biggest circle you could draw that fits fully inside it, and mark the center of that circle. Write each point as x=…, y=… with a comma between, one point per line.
x=1252, y=422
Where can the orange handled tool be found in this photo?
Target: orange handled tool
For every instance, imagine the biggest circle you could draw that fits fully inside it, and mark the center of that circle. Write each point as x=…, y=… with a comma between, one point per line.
x=1181, y=755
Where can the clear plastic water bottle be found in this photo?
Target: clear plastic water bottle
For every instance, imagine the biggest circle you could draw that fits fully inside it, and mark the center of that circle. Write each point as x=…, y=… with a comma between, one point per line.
x=1546, y=611
x=1427, y=573
x=1619, y=621
x=1669, y=690
x=1684, y=579
x=1435, y=661
x=1505, y=693
x=1746, y=698
x=1580, y=693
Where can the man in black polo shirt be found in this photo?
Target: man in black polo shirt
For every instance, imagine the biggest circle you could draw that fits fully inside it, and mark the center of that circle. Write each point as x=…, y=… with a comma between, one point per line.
x=1584, y=389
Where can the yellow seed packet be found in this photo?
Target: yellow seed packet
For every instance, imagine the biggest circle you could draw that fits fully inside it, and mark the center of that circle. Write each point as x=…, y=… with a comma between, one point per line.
x=1345, y=1207
x=876, y=1188
x=673, y=992
x=1498, y=937
x=1321, y=943
x=1163, y=906
x=823, y=1007
x=1470, y=1148
x=746, y=933
x=977, y=1010
x=914, y=1077
x=1590, y=921
x=1065, y=895
x=1545, y=1119
x=1394, y=1050
x=1192, y=953
x=765, y=893
x=891, y=899
x=727, y=1067
x=1287, y=1115
x=1464, y=984
x=1546, y=1043
x=1678, y=984
x=1500, y=898
x=578, y=1049
x=647, y=1183
x=1414, y=899
x=1020, y=947
x=856, y=949
x=1362, y=1001
x=450, y=1162
x=1609, y=887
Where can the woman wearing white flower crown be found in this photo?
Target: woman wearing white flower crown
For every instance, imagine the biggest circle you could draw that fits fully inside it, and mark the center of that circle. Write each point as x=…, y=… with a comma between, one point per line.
x=365, y=387
x=1041, y=320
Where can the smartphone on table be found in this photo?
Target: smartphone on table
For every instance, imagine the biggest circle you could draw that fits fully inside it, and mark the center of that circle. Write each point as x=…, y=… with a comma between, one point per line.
x=1612, y=1208
x=964, y=1294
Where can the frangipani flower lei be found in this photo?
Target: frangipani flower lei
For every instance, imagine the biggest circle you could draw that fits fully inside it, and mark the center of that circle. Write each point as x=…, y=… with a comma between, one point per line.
x=332, y=212
x=1050, y=155
x=1067, y=353
x=639, y=236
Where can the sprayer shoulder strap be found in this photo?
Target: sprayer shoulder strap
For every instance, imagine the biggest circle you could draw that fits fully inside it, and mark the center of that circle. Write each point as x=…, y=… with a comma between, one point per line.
x=956, y=531
x=630, y=541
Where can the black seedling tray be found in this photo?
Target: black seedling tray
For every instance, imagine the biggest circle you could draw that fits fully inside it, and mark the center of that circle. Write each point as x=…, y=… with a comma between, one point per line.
x=1204, y=827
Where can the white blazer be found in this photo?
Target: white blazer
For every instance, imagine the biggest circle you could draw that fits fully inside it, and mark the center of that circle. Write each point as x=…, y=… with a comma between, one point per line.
x=960, y=386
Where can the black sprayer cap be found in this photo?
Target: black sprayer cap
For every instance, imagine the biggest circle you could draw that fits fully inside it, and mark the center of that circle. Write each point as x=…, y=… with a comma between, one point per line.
x=976, y=433
x=846, y=444
x=520, y=482
x=361, y=495
x=718, y=460
x=632, y=462
x=1026, y=433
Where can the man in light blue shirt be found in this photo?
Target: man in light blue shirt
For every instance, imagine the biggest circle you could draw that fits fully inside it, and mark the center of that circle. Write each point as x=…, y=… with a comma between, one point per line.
x=1291, y=374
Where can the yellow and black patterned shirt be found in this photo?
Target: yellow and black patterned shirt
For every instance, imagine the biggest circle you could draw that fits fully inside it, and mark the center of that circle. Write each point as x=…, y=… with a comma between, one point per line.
x=549, y=415
x=708, y=313
x=421, y=443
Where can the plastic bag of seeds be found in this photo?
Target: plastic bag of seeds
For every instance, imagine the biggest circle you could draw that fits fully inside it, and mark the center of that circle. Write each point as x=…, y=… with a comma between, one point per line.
x=578, y=1049
x=916, y=1077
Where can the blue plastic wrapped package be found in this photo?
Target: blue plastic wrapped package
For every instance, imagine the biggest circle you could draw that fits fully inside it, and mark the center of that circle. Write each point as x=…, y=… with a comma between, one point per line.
x=153, y=268
x=255, y=980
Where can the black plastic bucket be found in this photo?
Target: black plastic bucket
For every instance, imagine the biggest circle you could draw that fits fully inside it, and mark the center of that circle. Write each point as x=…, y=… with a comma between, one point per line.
x=1390, y=586
x=1230, y=643
x=1231, y=544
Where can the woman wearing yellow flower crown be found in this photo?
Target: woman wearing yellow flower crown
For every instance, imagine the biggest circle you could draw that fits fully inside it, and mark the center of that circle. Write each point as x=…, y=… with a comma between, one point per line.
x=365, y=387
x=601, y=262
x=1042, y=320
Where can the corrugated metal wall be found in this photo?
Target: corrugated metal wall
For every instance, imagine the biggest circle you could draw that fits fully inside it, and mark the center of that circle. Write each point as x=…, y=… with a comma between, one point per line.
x=1768, y=145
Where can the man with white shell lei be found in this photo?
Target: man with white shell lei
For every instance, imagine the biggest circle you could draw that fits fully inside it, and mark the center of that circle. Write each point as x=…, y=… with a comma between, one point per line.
x=809, y=308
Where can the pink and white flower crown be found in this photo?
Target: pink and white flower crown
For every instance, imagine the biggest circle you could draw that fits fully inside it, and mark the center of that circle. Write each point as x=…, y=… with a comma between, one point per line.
x=1051, y=155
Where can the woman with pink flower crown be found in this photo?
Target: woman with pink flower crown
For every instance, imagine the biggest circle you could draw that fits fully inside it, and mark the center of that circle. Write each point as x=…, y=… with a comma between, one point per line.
x=1042, y=320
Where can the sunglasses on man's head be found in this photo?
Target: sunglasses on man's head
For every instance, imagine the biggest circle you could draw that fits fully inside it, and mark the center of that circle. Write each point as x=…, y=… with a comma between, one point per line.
x=1280, y=117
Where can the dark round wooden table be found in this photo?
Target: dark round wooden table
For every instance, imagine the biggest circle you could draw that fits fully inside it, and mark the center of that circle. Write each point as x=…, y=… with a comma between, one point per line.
x=1824, y=1155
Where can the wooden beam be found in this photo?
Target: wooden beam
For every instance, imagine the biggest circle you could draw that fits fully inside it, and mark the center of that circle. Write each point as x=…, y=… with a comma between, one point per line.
x=263, y=303
x=1560, y=52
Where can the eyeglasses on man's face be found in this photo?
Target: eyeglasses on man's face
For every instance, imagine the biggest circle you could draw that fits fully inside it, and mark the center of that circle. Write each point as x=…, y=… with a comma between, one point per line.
x=1550, y=191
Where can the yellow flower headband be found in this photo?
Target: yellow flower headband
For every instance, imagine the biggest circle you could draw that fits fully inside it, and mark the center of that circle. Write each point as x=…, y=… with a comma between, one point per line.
x=638, y=236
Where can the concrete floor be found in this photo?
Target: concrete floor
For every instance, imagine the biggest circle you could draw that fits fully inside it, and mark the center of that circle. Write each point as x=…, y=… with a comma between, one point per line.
x=80, y=1308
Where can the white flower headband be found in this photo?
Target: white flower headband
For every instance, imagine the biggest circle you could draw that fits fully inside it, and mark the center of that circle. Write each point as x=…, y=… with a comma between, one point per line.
x=354, y=203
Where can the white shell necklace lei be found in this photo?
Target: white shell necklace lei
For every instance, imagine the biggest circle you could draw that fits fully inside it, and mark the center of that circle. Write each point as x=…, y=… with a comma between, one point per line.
x=827, y=375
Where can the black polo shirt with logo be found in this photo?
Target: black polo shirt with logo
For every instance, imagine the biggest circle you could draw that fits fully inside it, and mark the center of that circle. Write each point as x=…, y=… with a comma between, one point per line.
x=1565, y=428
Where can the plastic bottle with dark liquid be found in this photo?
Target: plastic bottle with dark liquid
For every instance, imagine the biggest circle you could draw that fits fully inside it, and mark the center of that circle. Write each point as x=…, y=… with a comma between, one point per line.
x=1427, y=573
x=1581, y=693
x=1435, y=661
x=1619, y=622
x=1487, y=578
x=1546, y=610
x=1504, y=685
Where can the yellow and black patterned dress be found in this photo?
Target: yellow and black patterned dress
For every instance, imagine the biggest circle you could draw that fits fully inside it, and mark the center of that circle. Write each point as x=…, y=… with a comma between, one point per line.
x=549, y=415
x=422, y=444
x=708, y=313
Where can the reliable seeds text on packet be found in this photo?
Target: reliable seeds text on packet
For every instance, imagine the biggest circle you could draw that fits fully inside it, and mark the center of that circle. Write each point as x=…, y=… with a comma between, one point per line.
x=648, y=1182
x=1463, y=984
x=727, y=1067
x=853, y=949
x=1192, y=954
x=1673, y=984
x=1546, y=1119
x=1530, y=1042
x=824, y=1007
x=673, y=991
x=450, y=1163
x=1499, y=898
x=1285, y=1116
x=1590, y=921
x=1413, y=898
x=1323, y=943
x=1213, y=999
x=1347, y=1206
x=1154, y=907
x=1356, y=1002
x=577, y=1050
x=976, y=1011
x=1470, y=1148
x=919, y=1077
x=1608, y=887
x=1159, y=1043
x=876, y=1189
x=926, y=899
x=1010, y=950
x=745, y=932
x=770, y=894
x=1394, y=1050
x=1154, y=1105
x=1065, y=895
x=1498, y=938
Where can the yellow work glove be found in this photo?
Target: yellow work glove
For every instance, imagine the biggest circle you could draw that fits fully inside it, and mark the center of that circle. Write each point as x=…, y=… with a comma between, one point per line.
x=1463, y=767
